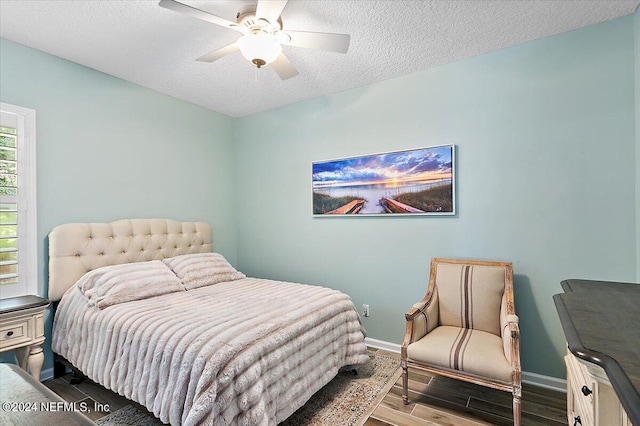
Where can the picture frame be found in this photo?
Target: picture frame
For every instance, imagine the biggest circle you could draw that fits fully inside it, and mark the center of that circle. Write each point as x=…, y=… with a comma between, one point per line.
x=415, y=182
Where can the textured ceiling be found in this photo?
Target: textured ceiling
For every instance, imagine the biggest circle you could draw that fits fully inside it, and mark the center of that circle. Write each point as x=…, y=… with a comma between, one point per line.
x=141, y=42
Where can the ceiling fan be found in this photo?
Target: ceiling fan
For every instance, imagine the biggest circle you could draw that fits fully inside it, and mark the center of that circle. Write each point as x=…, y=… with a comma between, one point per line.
x=263, y=36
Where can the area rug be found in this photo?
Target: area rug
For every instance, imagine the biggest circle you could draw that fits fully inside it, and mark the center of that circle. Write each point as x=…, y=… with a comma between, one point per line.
x=348, y=400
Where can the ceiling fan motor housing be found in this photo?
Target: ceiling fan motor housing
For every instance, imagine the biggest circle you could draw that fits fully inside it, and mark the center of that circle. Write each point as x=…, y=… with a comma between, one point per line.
x=247, y=18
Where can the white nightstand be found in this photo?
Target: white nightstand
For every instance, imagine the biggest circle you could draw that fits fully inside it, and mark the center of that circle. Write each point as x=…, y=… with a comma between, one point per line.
x=22, y=330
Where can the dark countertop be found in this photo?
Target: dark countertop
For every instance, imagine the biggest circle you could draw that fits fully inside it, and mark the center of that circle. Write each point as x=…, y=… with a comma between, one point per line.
x=601, y=321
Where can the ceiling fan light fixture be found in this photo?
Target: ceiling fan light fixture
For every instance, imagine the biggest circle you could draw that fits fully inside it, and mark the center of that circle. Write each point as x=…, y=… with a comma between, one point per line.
x=262, y=36
x=260, y=49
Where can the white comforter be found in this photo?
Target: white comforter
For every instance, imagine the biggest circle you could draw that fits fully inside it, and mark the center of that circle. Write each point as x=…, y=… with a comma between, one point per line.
x=246, y=352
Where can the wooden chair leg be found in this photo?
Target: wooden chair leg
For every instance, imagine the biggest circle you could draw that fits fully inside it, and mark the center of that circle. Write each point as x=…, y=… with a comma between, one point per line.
x=517, y=412
x=405, y=383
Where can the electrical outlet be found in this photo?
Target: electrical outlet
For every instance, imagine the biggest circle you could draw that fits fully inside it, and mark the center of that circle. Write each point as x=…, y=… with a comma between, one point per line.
x=365, y=310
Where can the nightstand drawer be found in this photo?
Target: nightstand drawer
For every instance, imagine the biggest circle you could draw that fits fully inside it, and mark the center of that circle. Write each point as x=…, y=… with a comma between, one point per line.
x=16, y=332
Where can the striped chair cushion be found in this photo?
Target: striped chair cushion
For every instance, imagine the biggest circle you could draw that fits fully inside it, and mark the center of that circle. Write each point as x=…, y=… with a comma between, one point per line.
x=472, y=351
x=470, y=296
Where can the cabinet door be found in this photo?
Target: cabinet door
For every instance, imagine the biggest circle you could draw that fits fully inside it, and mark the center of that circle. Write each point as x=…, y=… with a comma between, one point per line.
x=580, y=395
x=608, y=408
x=590, y=398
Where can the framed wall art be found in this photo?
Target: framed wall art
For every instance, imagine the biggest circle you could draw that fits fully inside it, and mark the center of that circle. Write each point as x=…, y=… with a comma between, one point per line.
x=413, y=182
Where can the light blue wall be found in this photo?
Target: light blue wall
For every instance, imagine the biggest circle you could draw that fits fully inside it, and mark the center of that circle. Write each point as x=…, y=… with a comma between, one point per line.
x=546, y=179
x=108, y=150
x=636, y=18
x=547, y=167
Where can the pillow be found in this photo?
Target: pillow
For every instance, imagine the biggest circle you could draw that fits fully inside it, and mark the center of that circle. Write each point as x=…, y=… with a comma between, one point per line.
x=115, y=284
x=201, y=269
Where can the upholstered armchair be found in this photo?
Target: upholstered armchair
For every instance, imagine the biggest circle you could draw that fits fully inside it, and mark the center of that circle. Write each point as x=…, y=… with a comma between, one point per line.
x=466, y=328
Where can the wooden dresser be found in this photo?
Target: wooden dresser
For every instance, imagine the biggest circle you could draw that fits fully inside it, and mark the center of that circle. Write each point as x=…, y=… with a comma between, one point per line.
x=601, y=321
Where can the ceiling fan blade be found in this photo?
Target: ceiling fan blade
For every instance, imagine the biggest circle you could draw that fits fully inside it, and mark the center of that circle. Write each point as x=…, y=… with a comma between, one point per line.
x=217, y=54
x=283, y=67
x=270, y=9
x=197, y=13
x=321, y=41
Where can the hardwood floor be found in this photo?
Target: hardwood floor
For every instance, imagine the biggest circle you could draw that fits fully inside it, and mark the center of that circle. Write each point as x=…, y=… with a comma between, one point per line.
x=433, y=400
x=436, y=400
x=92, y=394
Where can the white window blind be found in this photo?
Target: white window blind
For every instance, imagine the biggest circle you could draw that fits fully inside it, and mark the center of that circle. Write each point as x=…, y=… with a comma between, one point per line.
x=18, y=240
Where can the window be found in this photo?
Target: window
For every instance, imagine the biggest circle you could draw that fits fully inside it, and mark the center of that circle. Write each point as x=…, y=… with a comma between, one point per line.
x=18, y=237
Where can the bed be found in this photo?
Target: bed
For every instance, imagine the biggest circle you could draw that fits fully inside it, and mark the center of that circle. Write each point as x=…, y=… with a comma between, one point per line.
x=148, y=310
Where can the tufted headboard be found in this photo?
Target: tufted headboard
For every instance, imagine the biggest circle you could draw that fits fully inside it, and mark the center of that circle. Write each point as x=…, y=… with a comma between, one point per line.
x=76, y=248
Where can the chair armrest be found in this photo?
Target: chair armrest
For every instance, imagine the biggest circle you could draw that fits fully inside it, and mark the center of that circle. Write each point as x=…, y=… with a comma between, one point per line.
x=421, y=318
x=512, y=322
x=511, y=345
x=411, y=313
x=509, y=329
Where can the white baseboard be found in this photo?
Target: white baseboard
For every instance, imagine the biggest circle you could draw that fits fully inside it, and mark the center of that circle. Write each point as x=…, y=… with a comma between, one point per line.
x=381, y=344
x=547, y=382
x=46, y=374
x=534, y=379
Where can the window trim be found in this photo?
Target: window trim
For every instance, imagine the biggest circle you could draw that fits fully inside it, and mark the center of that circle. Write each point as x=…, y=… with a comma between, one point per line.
x=25, y=123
